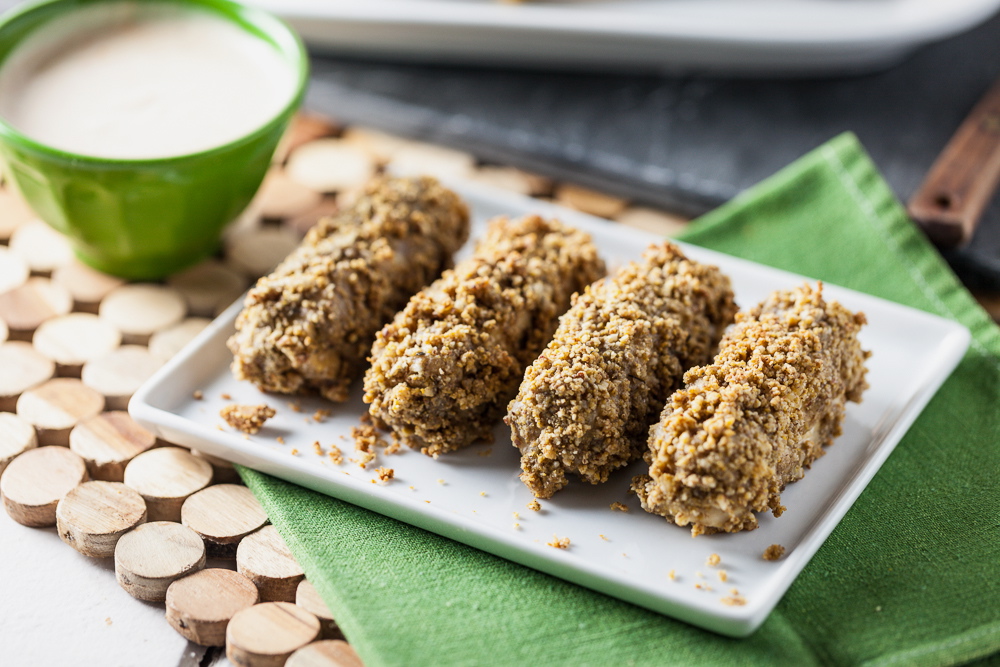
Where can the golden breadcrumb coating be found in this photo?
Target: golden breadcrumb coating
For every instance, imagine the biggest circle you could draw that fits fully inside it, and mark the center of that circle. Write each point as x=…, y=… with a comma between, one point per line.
x=308, y=326
x=757, y=417
x=446, y=366
x=586, y=404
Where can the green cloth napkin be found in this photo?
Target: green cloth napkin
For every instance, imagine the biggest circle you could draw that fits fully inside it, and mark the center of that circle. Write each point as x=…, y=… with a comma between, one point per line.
x=911, y=576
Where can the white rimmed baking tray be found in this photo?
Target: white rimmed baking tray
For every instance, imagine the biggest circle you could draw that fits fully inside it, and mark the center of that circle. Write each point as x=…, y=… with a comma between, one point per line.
x=472, y=496
x=724, y=36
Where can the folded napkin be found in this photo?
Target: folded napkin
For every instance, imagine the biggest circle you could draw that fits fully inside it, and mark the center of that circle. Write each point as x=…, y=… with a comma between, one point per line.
x=911, y=576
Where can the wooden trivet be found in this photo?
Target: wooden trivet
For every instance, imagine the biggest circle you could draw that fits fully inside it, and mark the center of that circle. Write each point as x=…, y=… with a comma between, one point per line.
x=330, y=165
x=201, y=605
x=13, y=213
x=208, y=287
x=154, y=555
x=16, y=437
x=165, y=344
x=140, y=310
x=119, y=373
x=73, y=340
x=223, y=515
x=42, y=248
x=326, y=653
x=223, y=472
x=256, y=252
x=92, y=517
x=589, y=201
x=165, y=478
x=415, y=159
x=283, y=197
x=266, y=560
x=13, y=270
x=21, y=368
x=87, y=286
x=266, y=634
x=24, y=308
x=56, y=406
x=35, y=482
x=307, y=597
x=108, y=442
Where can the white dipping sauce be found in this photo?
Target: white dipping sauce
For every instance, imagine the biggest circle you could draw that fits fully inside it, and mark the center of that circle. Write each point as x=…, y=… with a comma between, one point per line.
x=123, y=80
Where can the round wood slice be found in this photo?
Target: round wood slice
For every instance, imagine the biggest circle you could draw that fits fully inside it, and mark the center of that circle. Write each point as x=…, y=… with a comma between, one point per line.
x=207, y=286
x=303, y=222
x=56, y=406
x=379, y=145
x=512, y=180
x=73, y=340
x=165, y=478
x=4, y=331
x=14, y=213
x=92, y=517
x=307, y=597
x=16, y=437
x=165, y=344
x=86, y=285
x=13, y=270
x=266, y=634
x=326, y=653
x=108, y=442
x=223, y=515
x=35, y=482
x=305, y=127
x=266, y=560
x=589, y=201
x=256, y=253
x=329, y=165
x=419, y=159
x=651, y=220
x=223, y=472
x=140, y=310
x=201, y=605
x=24, y=308
x=154, y=555
x=21, y=368
x=40, y=246
x=119, y=373
x=282, y=196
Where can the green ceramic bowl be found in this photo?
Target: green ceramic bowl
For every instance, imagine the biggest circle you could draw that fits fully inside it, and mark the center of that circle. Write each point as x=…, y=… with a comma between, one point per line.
x=144, y=219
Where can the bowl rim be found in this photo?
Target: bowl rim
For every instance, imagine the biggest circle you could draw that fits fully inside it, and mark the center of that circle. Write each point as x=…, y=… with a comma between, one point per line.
x=253, y=21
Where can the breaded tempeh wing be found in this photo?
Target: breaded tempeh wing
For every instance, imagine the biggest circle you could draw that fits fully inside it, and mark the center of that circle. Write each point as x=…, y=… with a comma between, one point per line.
x=752, y=421
x=446, y=366
x=307, y=327
x=586, y=404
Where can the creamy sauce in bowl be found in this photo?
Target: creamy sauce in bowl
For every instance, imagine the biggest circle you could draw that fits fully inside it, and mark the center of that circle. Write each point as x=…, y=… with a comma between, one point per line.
x=132, y=81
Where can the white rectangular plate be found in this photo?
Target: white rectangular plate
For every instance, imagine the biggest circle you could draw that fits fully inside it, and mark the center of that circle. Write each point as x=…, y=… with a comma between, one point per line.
x=731, y=36
x=475, y=497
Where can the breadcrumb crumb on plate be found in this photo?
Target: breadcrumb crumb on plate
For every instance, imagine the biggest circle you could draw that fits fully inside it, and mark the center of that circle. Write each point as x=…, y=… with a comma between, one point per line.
x=899, y=389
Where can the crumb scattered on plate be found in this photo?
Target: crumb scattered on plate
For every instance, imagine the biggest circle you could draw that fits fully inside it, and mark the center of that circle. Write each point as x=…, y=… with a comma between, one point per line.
x=295, y=452
x=713, y=560
x=558, y=542
x=247, y=418
x=774, y=552
x=198, y=394
x=385, y=474
x=336, y=456
x=280, y=440
x=619, y=507
x=672, y=575
x=723, y=575
x=735, y=600
x=534, y=505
